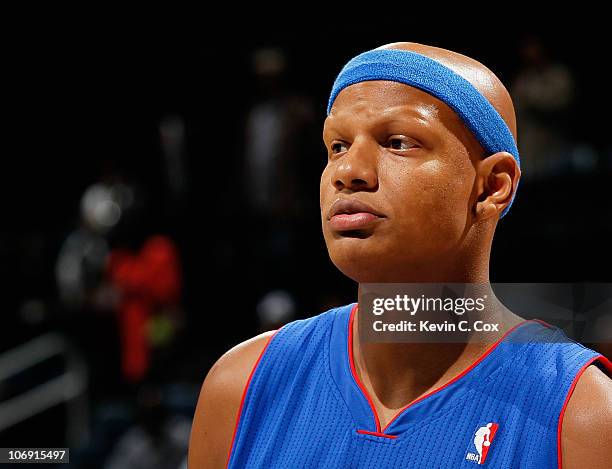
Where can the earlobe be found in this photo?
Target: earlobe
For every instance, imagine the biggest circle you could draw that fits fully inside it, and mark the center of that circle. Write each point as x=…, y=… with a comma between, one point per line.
x=497, y=177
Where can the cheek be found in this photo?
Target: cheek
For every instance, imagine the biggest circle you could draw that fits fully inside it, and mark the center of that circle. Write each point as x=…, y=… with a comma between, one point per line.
x=322, y=183
x=430, y=202
x=325, y=189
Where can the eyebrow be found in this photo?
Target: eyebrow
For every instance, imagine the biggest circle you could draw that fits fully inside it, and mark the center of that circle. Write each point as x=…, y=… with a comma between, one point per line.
x=423, y=114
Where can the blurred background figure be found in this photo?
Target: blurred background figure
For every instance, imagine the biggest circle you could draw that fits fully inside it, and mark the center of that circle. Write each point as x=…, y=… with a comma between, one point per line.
x=106, y=281
x=80, y=263
x=277, y=157
x=275, y=125
x=544, y=96
x=148, y=284
x=86, y=297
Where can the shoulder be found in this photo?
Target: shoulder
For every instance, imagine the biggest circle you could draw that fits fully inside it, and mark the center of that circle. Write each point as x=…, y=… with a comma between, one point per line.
x=221, y=395
x=586, y=431
x=219, y=402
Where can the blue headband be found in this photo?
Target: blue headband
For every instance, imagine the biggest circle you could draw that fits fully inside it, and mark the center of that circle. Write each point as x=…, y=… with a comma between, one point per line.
x=438, y=80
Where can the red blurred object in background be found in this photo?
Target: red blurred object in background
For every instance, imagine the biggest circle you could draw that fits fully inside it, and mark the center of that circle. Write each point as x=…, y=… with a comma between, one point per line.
x=147, y=281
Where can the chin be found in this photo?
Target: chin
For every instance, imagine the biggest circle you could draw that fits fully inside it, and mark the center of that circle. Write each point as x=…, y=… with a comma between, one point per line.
x=377, y=260
x=361, y=260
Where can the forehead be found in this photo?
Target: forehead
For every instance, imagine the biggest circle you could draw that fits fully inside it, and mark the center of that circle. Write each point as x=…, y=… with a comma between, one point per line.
x=380, y=101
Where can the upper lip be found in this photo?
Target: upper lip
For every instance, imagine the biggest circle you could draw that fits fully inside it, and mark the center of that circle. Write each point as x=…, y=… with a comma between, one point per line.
x=346, y=205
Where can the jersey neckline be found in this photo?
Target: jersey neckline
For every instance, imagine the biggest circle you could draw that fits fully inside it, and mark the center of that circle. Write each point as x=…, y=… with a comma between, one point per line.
x=437, y=400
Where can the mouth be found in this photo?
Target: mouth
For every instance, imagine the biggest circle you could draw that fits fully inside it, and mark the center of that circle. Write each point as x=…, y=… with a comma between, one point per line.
x=351, y=216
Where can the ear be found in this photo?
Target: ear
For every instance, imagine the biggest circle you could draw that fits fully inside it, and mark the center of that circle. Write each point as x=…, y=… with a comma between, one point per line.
x=497, y=177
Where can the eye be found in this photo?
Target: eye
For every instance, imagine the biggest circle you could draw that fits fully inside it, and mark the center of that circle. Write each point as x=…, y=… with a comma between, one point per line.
x=397, y=143
x=336, y=147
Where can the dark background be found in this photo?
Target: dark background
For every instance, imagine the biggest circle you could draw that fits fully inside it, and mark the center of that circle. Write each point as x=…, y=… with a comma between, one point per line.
x=88, y=102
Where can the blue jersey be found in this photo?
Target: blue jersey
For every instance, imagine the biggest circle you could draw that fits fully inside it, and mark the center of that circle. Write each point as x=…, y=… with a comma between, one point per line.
x=305, y=407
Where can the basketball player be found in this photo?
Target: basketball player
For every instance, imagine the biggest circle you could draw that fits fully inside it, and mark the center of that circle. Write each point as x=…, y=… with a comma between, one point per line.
x=422, y=164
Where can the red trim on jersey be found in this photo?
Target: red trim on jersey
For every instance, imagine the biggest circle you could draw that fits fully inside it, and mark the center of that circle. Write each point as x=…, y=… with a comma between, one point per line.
x=354, y=372
x=459, y=376
x=244, y=392
x=365, y=432
x=544, y=323
x=608, y=364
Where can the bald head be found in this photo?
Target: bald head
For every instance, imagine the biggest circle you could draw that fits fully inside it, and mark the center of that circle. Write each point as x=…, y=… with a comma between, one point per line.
x=483, y=79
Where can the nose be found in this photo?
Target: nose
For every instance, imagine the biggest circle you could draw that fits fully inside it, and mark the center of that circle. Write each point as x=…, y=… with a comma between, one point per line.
x=357, y=169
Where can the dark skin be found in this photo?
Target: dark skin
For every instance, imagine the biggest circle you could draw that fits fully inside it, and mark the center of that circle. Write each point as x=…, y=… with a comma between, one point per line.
x=409, y=156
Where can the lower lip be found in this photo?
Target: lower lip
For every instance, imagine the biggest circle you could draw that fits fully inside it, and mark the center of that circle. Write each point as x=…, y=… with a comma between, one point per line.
x=352, y=221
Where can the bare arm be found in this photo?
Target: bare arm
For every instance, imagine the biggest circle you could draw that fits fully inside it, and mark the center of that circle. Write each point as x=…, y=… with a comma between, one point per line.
x=219, y=402
x=586, y=433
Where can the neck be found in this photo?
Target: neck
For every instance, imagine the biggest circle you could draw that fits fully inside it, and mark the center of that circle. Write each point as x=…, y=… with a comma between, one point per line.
x=395, y=374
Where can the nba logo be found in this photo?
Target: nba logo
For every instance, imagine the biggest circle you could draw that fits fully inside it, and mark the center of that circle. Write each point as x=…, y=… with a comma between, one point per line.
x=480, y=444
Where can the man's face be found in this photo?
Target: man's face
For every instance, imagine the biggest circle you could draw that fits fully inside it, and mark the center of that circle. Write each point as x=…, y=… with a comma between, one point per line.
x=410, y=159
